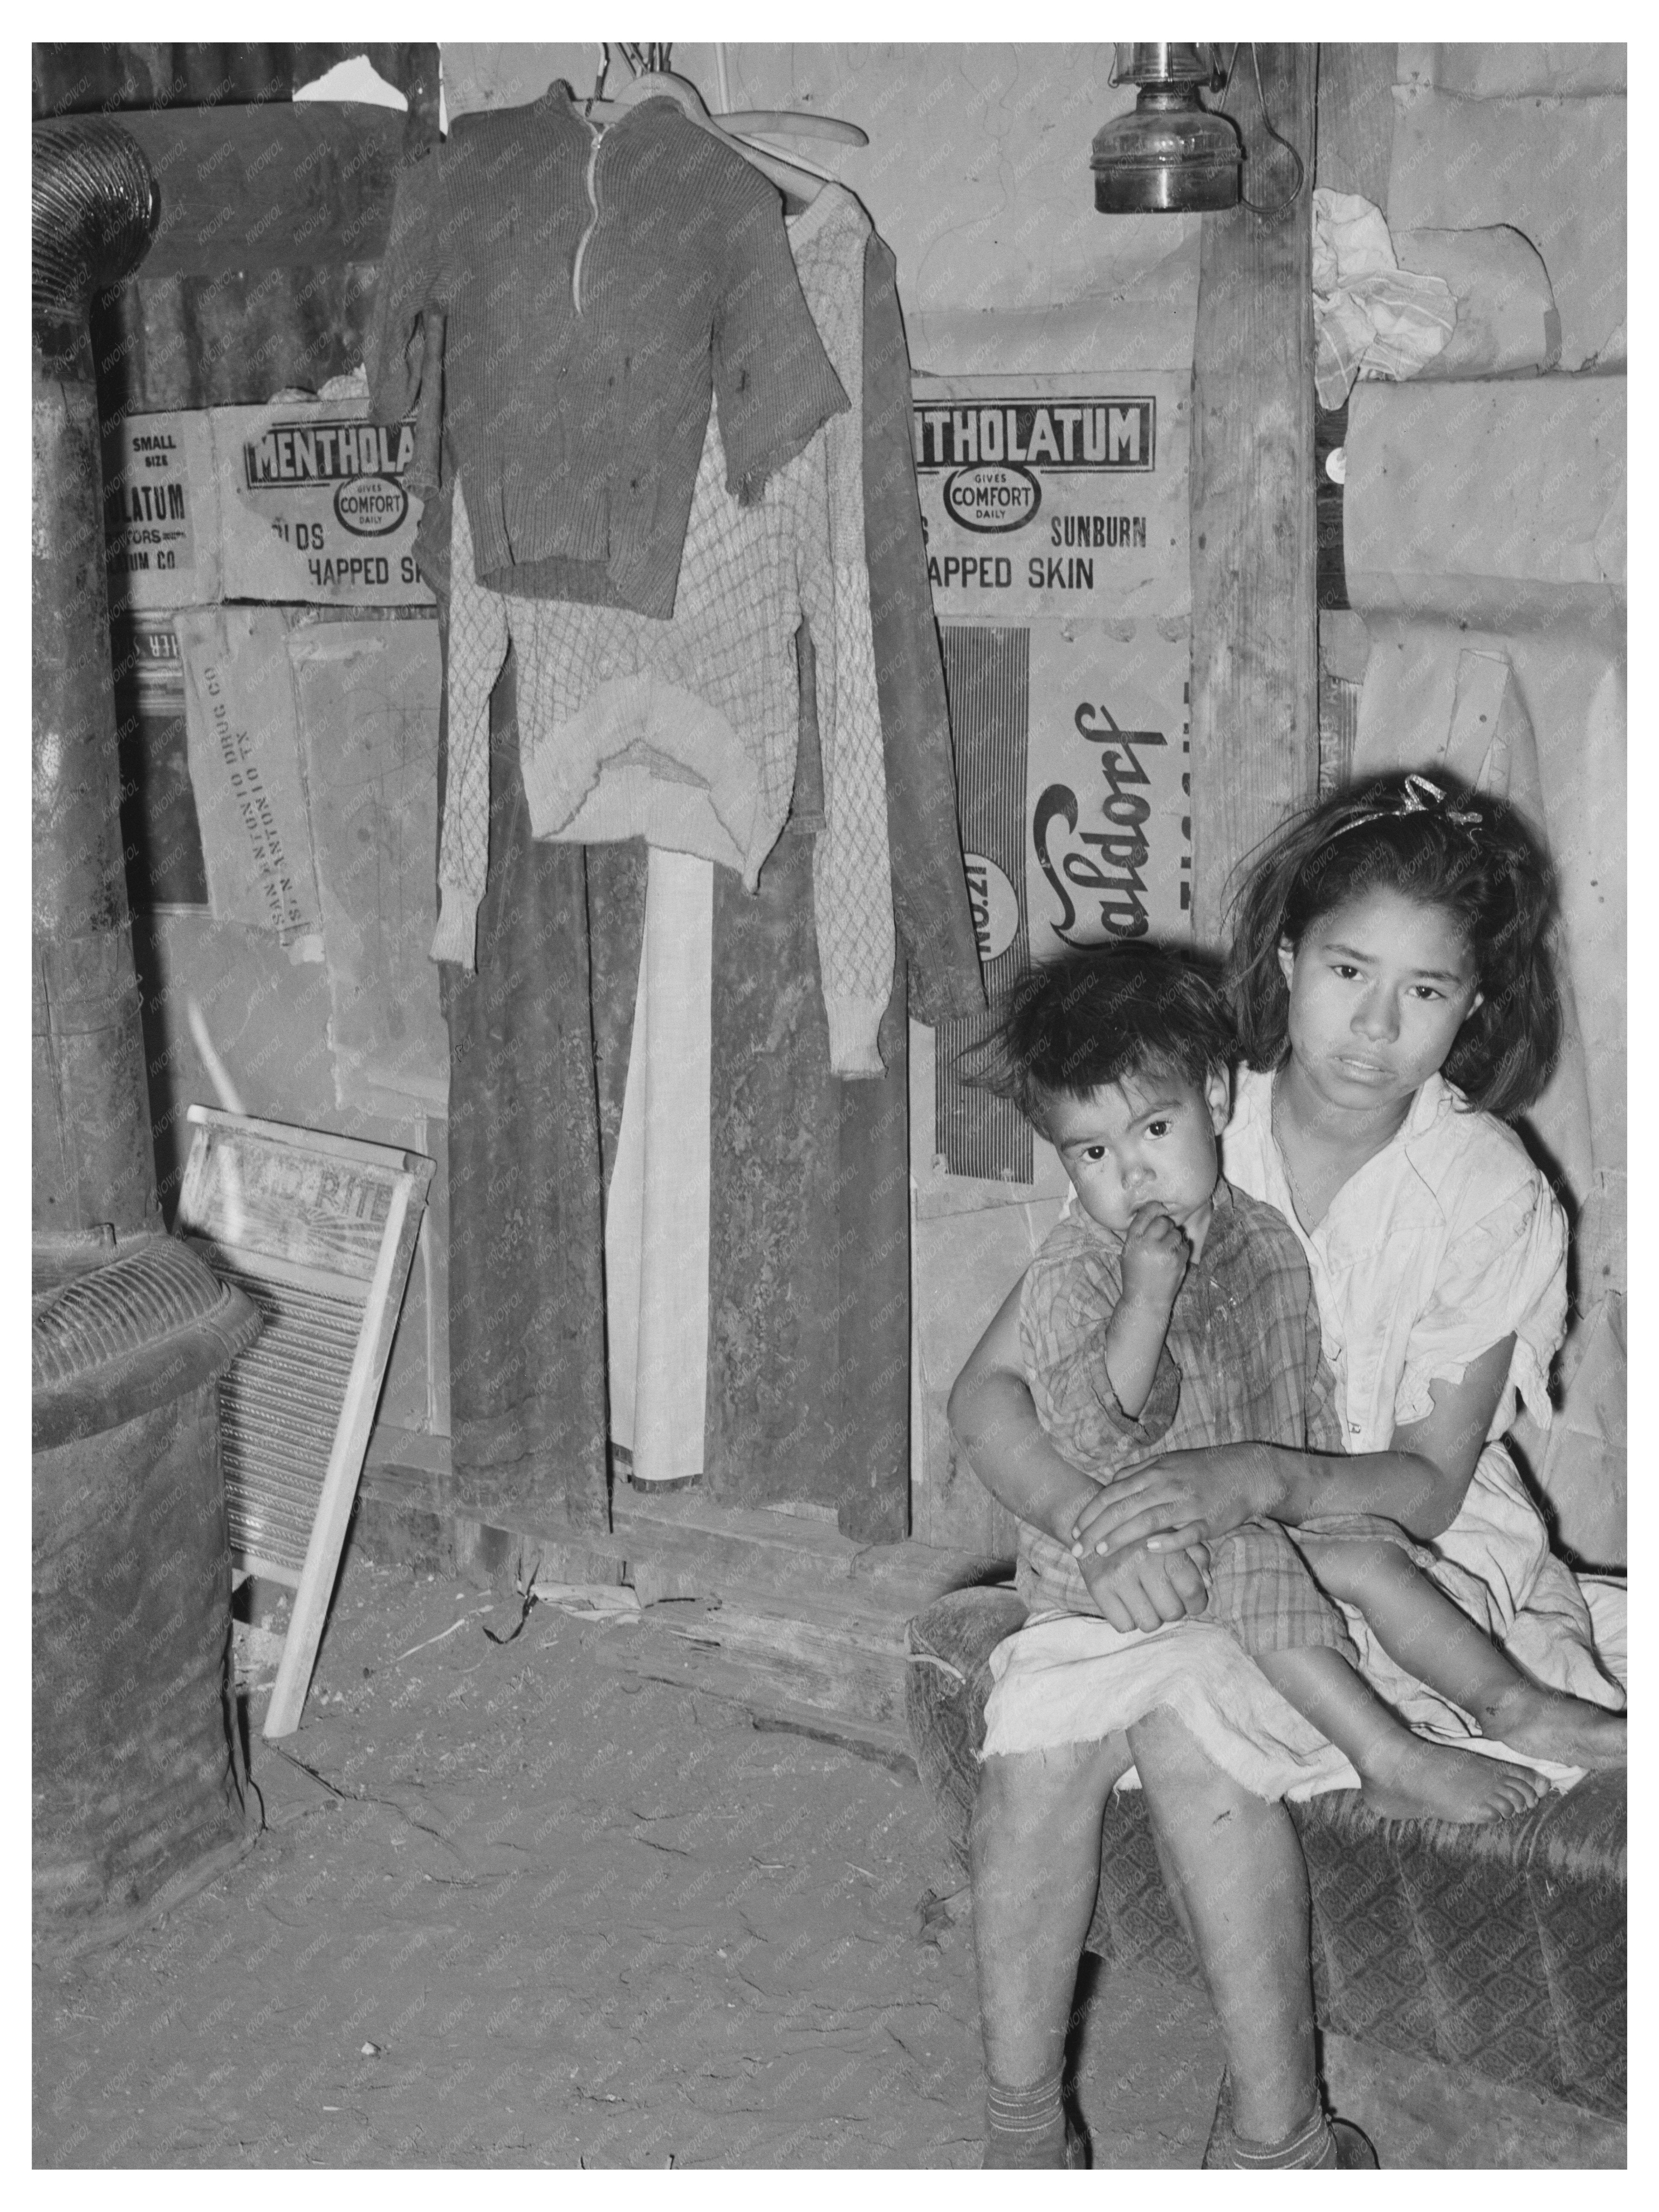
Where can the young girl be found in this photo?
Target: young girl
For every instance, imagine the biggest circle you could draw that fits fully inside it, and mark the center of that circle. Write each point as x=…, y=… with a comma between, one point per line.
x=1391, y=988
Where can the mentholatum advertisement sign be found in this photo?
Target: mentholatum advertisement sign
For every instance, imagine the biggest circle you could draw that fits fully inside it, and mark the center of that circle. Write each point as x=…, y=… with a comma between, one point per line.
x=295, y=502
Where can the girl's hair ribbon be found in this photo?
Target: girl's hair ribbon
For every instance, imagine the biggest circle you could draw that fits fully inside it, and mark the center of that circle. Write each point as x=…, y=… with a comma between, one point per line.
x=1420, y=796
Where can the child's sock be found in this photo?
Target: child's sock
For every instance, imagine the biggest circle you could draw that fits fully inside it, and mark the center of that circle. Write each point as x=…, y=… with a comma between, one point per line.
x=1024, y=2127
x=1310, y=2145
x=1317, y=2144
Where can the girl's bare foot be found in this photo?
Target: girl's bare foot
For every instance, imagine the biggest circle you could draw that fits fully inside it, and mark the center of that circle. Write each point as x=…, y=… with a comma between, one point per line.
x=1551, y=1725
x=1414, y=1780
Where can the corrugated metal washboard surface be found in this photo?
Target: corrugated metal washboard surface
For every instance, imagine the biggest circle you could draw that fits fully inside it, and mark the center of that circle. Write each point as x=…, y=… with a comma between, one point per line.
x=279, y=1407
x=318, y=1230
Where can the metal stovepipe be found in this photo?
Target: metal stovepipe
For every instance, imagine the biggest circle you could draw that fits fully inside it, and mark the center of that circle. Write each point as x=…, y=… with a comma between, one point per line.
x=94, y=214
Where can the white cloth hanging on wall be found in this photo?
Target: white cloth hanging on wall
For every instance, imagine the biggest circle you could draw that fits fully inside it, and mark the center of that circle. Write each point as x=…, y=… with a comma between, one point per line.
x=1371, y=317
x=656, y=1223
x=1485, y=553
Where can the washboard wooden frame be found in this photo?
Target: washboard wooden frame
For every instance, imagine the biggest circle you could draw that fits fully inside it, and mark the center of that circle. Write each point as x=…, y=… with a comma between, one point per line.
x=319, y=1230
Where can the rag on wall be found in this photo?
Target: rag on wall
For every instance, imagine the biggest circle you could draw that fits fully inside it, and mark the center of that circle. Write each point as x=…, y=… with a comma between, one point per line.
x=1371, y=317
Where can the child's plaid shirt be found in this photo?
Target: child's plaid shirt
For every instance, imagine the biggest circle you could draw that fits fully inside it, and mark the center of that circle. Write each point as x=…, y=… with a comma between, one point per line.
x=1241, y=1362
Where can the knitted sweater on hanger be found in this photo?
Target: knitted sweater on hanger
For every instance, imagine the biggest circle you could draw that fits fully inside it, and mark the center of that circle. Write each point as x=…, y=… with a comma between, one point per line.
x=685, y=733
x=588, y=290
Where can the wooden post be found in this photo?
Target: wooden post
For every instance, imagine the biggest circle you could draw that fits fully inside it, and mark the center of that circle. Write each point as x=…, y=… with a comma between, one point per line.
x=1255, y=703
x=1355, y=120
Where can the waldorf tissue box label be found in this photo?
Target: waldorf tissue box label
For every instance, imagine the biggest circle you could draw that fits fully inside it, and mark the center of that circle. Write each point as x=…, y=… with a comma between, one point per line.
x=1072, y=751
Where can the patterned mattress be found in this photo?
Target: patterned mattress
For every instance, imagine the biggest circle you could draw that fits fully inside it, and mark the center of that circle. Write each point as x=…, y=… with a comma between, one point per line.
x=1500, y=1947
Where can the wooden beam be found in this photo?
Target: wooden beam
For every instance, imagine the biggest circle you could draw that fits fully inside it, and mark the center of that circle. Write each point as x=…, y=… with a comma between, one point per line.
x=1356, y=120
x=1255, y=703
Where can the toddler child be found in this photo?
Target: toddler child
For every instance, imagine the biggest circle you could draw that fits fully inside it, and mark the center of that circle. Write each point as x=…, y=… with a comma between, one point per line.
x=1167, y=1310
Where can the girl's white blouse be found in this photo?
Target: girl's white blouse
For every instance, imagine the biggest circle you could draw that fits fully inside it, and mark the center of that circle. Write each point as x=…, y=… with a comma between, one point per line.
x=1447, y=1242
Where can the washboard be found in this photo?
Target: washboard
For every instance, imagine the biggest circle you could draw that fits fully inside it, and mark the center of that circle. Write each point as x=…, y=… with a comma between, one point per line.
x=319, y=1231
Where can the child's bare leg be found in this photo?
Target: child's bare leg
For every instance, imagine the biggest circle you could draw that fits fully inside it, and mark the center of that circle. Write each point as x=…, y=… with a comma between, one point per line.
x=1422, y=1631
x=1036, y=1858
x=1401, y=1776
x=1233, y=1860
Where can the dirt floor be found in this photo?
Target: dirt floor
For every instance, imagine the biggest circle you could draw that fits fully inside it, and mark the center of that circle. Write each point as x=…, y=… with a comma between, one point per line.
x=525, y=1909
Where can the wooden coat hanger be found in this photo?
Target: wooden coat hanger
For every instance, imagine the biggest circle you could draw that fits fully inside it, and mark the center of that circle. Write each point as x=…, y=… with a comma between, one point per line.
x=800, y=183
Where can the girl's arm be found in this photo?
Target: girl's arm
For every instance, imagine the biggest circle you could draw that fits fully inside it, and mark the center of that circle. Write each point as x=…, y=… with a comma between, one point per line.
x=1420, y=1481
x=994, y=1420
x=1440, y=1453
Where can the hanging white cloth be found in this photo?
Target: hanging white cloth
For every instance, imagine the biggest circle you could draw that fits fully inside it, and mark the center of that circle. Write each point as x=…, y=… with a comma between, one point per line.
x=656, y=1227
